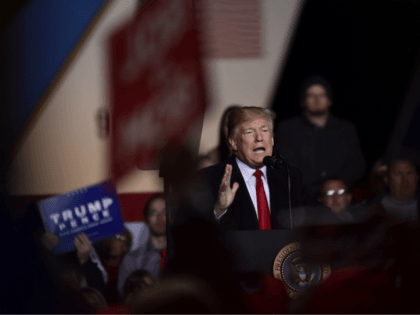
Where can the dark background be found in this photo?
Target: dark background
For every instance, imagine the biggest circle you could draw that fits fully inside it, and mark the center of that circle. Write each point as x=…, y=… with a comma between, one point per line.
x=369, y=52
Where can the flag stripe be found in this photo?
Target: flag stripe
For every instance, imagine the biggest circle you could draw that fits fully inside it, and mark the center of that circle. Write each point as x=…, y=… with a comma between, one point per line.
x=230, y=28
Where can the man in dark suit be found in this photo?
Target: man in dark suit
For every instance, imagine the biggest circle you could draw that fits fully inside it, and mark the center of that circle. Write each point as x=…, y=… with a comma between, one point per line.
x=258, y=197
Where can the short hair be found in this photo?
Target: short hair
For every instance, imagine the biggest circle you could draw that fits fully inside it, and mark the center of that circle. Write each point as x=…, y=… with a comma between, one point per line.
x=128, y=241
x=337, y=178
x=93, y=297
x=146, y=211
x=314, y=80
x=405, y=155
x=243, y=114
x=136, y=282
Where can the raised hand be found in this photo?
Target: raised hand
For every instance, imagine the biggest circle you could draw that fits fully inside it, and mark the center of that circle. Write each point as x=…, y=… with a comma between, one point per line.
x=83, y=246
x=226, y=194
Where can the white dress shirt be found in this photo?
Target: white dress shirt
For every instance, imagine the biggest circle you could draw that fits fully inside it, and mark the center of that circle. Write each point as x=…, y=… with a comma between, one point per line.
x=251, y=182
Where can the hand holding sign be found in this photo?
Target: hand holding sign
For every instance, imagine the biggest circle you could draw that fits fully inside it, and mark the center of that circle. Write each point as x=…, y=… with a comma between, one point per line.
x=94, y=211
x=83, y=246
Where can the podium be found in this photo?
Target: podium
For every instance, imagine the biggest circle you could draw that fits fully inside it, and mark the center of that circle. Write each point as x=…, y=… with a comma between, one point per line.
x=255, y=250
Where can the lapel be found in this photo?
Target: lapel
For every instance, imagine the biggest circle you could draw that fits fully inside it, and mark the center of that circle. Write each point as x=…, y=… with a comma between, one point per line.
x=242, y=207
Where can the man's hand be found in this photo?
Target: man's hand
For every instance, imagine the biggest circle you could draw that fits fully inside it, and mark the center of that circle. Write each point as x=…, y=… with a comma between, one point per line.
x=83, y=246
x=226, y=194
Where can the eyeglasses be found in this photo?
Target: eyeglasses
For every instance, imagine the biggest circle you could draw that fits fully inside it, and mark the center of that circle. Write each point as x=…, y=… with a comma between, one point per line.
x=313, y=95
x=156, y=213
x=339, y=192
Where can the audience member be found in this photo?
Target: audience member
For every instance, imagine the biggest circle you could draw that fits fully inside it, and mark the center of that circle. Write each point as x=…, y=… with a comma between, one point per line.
x=201, y=253
x=179, y=294
x=150, y=254
x=85, y=268
x=111, y=253
x=317, y=143
x=90, y=263
x=35, y=280
x=400, y=198
x=362, y=257
x=73, y=278
x=377, y=177
x=136, y=284
x=335, y=194
x=93, y=298
x=258, y=193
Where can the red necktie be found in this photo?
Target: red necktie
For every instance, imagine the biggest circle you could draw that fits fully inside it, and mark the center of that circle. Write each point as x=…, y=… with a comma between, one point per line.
x=162, y=259
x=263, y=210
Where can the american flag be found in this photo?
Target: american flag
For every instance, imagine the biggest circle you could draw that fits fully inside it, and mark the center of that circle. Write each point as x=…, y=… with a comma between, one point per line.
x=229, y=28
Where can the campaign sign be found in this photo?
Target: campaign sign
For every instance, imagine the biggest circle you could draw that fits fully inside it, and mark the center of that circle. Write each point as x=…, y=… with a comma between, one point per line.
x=157, y=88
x=94, y=211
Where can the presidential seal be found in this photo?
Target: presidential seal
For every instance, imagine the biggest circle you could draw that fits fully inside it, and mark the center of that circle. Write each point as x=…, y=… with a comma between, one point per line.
x=295, y=273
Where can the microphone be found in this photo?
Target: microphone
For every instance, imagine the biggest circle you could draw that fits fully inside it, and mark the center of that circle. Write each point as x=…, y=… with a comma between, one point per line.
x=274, y=161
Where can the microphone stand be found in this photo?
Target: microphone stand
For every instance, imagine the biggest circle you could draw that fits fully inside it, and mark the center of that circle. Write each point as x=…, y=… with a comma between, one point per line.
x=283, y=162
x=288, y=188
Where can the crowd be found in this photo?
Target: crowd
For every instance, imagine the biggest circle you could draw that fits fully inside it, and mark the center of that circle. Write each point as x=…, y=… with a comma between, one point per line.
x=371, y=242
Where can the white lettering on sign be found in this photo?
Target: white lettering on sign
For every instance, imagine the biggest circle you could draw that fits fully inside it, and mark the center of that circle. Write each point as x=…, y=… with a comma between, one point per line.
x=55, y=217
x=85, y=220
x=67, y=215
x=151, y=37
x=106, y=202
x=80, y=213
x=94, y=208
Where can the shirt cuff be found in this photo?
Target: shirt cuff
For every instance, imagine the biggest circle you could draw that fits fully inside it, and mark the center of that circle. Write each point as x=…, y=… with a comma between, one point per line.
x=220, y=216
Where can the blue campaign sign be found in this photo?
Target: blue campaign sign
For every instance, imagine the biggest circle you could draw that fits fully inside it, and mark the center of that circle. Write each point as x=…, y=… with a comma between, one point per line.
x=94, y=211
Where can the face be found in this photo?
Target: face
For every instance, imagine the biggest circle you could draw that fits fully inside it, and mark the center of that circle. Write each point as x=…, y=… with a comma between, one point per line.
x=402, y=181
x=334, y=194
x=115, y=247
x=316, y=100
x=157, y=217
x=253, y=141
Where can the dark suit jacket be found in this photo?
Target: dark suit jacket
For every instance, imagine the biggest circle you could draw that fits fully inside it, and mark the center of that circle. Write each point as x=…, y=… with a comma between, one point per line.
x=241, y=214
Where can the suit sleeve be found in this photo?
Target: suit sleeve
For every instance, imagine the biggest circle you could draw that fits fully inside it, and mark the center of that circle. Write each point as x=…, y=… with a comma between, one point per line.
x=95, y=273
x=93, y=270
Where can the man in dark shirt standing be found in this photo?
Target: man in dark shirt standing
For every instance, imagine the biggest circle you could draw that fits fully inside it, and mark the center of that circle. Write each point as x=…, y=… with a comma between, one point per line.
x=317, y=143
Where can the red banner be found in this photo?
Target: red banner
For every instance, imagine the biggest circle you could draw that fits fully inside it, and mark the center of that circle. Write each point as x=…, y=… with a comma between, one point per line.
x=157, y=90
